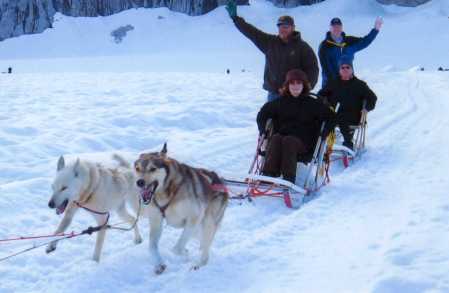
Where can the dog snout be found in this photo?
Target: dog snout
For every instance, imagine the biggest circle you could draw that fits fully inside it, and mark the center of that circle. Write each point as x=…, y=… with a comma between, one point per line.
x=140, y=183
x=51, y=204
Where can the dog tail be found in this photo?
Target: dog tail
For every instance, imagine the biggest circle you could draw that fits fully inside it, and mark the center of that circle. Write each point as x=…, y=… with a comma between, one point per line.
x=221, y=201
x=122, y=162
x=222, y=205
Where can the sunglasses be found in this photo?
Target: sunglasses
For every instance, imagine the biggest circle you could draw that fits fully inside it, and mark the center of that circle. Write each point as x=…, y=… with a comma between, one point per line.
x=283, y=25
x=345, y=67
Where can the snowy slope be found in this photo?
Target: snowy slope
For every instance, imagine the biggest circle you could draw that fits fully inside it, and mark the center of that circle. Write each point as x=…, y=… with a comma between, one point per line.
x=411, y=37
x=380, y=226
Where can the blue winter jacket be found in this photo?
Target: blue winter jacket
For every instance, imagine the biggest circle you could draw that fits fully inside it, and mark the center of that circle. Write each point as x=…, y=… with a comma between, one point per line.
x=331, y=52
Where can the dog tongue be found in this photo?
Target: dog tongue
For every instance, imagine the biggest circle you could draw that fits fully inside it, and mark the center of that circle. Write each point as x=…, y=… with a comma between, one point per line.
x=146, y=194
x=59, y=210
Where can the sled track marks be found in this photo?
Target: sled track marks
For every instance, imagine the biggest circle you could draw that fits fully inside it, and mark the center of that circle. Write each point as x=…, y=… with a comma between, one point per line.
x=397, y=113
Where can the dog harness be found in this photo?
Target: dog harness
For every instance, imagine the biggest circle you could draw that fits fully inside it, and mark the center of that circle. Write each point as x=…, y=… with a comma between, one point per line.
x=162, y=209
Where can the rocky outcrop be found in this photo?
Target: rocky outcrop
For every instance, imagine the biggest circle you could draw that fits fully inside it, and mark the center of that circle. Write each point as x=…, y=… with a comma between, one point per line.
x=294, y=3
x=18, y=17
x=410, y=3
x=120, y=33
x=109, y=7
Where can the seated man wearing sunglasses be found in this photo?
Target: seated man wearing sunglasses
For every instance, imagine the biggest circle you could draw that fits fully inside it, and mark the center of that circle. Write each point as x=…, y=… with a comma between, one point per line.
x=351, y=93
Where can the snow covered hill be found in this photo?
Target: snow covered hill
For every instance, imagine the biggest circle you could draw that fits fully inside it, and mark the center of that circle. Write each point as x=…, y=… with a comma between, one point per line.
x=163, y=40
x=381, y=226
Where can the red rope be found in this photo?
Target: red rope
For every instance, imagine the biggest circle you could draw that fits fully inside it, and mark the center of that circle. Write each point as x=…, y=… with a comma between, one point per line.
x=38, y=237
x=259, y=191
x=220, y=187
x=68, y=235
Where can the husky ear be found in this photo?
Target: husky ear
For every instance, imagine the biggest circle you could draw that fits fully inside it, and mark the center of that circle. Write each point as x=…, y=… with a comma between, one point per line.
x=164, y=150
x=61, y=164
x=76, y=167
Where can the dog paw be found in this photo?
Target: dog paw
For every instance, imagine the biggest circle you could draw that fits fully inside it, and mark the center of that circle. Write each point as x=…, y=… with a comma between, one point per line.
x=50, y=248
x=195, y=268
x=159, y=269
x=138, y=240
x=199, y=264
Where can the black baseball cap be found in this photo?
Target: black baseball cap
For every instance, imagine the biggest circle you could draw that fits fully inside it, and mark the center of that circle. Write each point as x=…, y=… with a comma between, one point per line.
x=336, y=21
x=285, y=20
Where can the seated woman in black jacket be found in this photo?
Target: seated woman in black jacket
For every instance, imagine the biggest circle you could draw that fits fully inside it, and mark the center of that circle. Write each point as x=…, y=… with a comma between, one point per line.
x=297, y=120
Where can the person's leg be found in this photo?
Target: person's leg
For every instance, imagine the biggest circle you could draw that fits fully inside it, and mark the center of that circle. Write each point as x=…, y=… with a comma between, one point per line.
x=273, y=157
x=347, y=134
x=344, y=121
x=291, y=148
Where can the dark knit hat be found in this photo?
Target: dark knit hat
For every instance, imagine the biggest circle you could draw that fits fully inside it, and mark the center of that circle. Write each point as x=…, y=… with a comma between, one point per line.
x=296, y=75
x=345, y=60
x=286, y=20
x=336, y=21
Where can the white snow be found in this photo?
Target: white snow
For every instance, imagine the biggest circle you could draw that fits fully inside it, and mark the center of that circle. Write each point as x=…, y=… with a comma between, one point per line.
x=180, y=43
x=380, y=226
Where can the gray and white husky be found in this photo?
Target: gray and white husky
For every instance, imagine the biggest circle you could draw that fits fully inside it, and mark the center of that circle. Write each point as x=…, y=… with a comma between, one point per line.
x=186, y=197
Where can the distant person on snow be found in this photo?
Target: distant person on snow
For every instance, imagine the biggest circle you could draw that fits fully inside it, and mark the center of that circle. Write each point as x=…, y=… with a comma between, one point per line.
x=283, y=52
x=338, y=44
x=351, y=93
x=297, y=120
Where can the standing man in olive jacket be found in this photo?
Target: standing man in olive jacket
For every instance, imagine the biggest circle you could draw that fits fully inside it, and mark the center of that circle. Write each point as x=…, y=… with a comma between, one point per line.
x=283, y=52
x=351, y=93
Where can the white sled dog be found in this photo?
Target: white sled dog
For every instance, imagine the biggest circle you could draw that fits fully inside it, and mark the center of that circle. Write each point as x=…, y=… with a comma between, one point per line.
x=186, y=197
x=97, y=188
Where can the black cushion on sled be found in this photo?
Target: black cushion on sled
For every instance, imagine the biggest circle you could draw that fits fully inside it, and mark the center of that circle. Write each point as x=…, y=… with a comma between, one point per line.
x=305, y=158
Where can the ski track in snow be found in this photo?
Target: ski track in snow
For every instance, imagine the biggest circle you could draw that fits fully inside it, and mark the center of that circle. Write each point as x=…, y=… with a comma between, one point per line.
x=380, y=226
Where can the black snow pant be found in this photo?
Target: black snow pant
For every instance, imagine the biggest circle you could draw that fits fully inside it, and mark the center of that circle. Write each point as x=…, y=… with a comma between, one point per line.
x=347, y=132
x=344, y=123
x=282, y=155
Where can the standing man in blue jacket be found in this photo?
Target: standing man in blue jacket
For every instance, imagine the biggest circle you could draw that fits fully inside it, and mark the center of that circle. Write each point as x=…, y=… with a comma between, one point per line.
x=338, y=44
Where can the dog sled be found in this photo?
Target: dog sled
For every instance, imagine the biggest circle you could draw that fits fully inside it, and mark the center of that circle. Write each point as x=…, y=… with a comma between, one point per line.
x=346, y=155
x=311, y=175
x=312, y=168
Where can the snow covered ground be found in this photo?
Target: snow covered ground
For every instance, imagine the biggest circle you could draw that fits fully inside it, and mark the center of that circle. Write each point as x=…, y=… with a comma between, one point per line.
x=380, y=226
